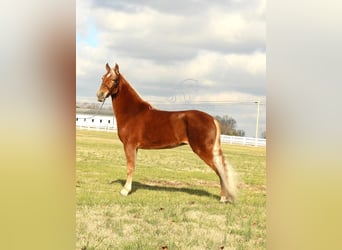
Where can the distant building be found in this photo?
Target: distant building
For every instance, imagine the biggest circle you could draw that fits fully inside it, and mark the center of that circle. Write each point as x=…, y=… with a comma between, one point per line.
x=103, y=120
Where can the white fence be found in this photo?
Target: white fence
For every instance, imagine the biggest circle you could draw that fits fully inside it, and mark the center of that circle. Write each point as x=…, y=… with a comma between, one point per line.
x=243, y=140
x=98, y=122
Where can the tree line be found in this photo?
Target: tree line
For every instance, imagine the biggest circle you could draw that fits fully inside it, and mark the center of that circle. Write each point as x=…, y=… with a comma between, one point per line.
x=228, y=126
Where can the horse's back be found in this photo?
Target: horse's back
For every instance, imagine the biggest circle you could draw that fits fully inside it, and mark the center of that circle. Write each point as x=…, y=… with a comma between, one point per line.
x=195, y=120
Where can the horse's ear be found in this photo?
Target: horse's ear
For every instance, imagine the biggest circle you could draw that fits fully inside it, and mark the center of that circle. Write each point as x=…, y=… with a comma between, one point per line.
x=107, y=67
x=116, y=69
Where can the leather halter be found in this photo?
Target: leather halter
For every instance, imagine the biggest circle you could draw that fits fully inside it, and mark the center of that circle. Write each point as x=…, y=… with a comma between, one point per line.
x=115, y=85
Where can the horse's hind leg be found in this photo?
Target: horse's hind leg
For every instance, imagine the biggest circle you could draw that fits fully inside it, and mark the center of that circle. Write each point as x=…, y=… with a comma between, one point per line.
x=131, y=153
x=216, y=161
x=224, y=171
x=210, y=152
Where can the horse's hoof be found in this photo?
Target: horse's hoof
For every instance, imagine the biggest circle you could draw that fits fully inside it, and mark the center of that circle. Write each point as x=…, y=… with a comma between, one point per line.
x=124, y=192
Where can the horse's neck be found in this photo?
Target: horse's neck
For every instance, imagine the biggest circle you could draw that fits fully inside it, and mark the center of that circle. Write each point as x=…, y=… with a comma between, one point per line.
x=127, y=104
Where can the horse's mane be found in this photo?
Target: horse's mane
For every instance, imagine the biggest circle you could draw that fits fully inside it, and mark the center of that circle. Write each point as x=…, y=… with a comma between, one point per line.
x=128, y=90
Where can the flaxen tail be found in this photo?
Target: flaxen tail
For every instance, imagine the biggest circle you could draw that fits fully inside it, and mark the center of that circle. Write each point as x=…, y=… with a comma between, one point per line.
x=225, y=170
x=232, y=181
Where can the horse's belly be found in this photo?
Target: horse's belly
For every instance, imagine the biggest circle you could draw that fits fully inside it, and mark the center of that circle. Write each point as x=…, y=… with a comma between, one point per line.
x=166, y=139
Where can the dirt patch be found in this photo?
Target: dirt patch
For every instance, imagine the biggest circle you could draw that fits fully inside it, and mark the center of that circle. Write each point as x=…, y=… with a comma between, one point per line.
x=168, y=183
x=249, y=187
x=179, y=184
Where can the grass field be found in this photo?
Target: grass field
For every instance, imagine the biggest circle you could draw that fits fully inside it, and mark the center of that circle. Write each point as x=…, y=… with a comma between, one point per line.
x=174, y=201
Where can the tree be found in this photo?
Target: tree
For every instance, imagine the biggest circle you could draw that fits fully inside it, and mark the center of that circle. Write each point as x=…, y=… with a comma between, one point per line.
x=240, y=132
x=228, y=126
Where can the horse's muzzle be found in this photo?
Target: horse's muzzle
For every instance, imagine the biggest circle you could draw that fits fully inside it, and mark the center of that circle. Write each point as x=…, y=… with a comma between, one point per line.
x=101, y=97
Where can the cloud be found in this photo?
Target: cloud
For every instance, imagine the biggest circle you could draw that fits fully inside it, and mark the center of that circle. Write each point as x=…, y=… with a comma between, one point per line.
x=158, y=44
x=166, y=37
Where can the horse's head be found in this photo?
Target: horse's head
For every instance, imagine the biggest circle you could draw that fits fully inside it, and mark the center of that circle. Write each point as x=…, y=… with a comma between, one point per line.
x=110, y=83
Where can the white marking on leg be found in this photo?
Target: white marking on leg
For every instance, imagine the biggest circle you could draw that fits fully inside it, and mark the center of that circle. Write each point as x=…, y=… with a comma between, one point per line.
x=124, y=192
x=127, y=187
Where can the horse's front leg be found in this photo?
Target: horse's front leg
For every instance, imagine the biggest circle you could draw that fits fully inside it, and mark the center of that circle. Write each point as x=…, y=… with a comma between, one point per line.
x=131, y=154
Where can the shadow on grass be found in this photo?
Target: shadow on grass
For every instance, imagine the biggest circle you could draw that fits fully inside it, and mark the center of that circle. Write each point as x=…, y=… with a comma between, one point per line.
x=138, y=185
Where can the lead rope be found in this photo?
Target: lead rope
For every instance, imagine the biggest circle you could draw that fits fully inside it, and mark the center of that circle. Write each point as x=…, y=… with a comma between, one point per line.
x=96, y=111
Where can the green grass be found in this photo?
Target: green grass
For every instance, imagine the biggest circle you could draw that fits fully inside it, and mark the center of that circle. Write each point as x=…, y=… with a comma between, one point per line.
x=174, y=201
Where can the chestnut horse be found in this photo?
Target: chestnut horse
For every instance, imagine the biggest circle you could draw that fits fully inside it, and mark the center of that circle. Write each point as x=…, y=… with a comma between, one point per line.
x=141, y=126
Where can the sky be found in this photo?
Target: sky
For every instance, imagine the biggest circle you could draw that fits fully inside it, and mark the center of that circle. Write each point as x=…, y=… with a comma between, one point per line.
x=207, y=55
